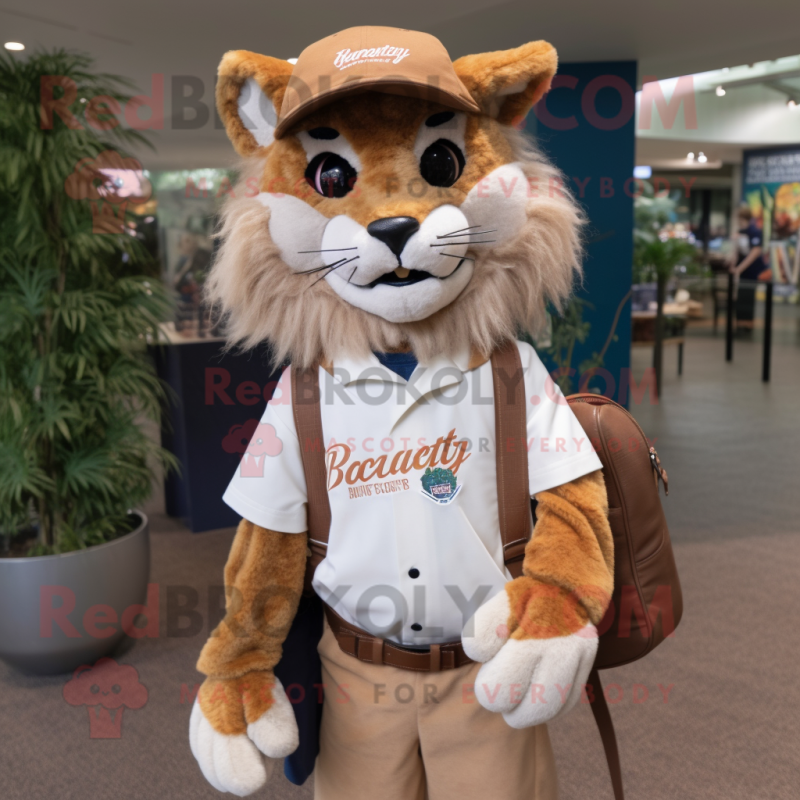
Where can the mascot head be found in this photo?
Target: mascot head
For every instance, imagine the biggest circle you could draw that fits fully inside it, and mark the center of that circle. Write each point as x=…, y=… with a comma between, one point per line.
x=387, y=199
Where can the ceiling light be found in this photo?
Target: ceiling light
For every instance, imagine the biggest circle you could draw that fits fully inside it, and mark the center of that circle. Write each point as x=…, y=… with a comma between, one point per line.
x=642, y=172
x=14, y=46
x=720, y=92
x=701, y=157
x=690, y=156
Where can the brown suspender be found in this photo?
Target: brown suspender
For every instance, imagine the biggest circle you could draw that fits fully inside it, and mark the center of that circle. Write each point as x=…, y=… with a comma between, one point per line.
x=308, y=421
x=513, y=498
x=511, y=455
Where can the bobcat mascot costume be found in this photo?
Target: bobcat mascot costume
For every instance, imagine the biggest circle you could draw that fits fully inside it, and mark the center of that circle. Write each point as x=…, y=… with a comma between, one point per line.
x=392, y=230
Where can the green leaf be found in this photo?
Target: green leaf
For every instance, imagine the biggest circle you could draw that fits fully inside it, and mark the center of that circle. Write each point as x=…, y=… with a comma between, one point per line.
x=62, y=426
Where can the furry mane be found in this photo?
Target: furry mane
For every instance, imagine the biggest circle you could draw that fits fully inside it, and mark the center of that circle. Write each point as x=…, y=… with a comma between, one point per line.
x=262, y=299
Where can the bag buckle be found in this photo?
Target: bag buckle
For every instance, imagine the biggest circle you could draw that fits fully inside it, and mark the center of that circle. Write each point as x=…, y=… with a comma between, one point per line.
x=660, y=471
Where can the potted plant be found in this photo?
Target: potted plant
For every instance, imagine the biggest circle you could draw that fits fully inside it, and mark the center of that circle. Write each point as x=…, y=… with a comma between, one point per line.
x=656, y=257
x=568, y=329
x=79, y=301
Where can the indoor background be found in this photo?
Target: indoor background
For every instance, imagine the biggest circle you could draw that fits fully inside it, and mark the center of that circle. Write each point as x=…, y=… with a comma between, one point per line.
x=668, y=118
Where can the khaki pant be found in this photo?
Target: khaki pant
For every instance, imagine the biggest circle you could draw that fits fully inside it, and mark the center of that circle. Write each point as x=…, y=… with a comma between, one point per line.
x=395, y=734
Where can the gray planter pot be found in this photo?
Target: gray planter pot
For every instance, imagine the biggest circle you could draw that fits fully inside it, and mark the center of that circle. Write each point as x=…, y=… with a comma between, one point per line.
x=34, y=611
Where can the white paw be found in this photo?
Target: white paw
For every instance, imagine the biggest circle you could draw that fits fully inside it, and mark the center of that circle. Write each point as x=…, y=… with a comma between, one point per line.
x=534, y=680
x=487, y=631
x=275, y=732
x=233, y=763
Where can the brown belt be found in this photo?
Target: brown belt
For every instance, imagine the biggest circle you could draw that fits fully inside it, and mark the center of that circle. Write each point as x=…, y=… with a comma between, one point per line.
x=365, y=647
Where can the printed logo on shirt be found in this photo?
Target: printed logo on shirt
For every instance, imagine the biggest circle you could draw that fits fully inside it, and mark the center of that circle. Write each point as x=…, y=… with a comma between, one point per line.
x=440, y=485
x=444, y=456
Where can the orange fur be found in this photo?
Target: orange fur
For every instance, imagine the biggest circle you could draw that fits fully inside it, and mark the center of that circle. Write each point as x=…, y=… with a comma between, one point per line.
x=272, y=75
x=489, y=77
x=568, y=571
x=230, y=704
x=263, y=584
x=381, y=128
x=307, y=321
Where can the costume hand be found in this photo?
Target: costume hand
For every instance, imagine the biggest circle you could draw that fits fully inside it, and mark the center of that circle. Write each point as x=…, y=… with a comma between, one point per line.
x=537, y=647
x=235, y=718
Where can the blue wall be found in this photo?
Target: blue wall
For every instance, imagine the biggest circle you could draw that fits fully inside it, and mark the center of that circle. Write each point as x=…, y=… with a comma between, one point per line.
x=587, y=127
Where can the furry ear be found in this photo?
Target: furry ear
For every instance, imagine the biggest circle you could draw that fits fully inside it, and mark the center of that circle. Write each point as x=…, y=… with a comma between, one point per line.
x=507, y=83
x=250, y=90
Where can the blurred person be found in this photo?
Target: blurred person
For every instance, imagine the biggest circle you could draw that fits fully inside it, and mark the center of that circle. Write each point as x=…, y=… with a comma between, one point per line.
x=749, y=265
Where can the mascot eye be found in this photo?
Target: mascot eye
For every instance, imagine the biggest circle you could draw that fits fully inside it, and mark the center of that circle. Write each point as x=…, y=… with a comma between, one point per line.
x=442, y=163
x=323, y=133
x=439, y=119
x=330, y=175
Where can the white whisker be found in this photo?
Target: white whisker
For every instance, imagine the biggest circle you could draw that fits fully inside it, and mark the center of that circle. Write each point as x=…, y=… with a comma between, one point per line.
x=319, y=269
x=459, y=233
x=460, y=230
x=332, y=268
x=329, y=250
x=450, y=244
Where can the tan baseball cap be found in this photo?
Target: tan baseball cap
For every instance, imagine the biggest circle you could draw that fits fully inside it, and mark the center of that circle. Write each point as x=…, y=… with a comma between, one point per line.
x=390, y=60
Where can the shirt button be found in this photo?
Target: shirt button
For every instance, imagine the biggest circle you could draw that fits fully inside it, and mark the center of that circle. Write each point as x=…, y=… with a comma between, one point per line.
x=413, y=573
x=416, y=627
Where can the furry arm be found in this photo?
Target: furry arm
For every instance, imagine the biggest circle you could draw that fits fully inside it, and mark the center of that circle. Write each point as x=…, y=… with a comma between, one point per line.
x=537, y=639
x=568, y=571
x=263, y=582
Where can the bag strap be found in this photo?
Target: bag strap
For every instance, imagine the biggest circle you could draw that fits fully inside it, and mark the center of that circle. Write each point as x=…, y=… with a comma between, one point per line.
x=602, y=716
x=513, y=496
x=308, y=421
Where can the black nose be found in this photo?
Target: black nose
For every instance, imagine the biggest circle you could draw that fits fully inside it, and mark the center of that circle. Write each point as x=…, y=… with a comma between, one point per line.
x=394, y=232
